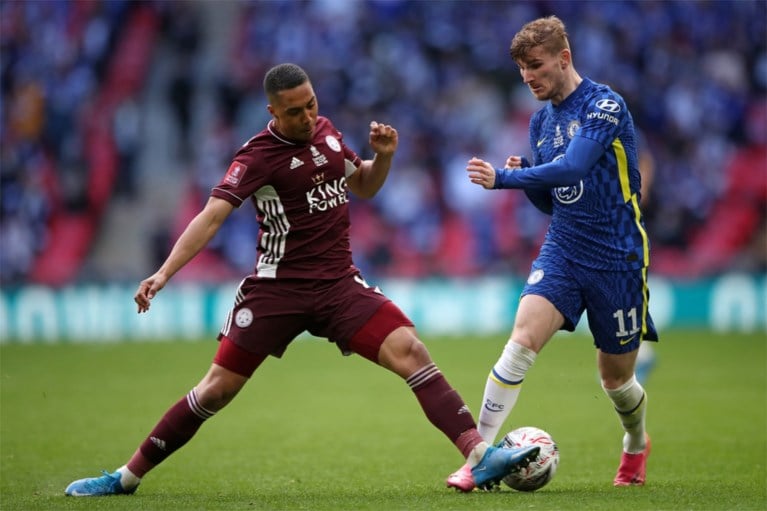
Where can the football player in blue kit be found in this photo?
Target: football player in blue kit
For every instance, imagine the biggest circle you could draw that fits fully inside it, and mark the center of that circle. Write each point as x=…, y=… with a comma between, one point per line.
x=595, y=257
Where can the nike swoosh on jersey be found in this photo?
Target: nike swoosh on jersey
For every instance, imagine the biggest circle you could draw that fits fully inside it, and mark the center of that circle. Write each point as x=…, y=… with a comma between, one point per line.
x=540, y=142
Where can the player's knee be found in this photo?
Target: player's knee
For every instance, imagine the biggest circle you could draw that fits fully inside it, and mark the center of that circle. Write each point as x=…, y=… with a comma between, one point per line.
x=403, y=352
x=418, y=352
x=515, y=360
x=412, y=348
x=616, y=371
x=615, y=377
x=533, y=339
x=218, y=389
x=612, y=381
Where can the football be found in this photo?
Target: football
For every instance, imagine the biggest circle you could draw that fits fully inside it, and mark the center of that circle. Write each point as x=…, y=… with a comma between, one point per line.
x=538, y=473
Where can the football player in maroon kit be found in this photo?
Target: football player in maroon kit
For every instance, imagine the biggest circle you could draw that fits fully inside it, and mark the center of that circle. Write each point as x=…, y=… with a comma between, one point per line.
x=298, y=172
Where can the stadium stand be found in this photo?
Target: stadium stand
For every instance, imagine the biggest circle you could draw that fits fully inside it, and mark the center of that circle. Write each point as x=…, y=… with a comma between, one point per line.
x=697, y=90
x=104, y=72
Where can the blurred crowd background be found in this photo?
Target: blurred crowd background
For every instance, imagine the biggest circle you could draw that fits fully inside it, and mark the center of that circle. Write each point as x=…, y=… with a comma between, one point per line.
x=119, y=116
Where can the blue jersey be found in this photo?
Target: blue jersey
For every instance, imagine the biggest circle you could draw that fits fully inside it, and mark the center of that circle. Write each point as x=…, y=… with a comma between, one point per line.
x=593, y=187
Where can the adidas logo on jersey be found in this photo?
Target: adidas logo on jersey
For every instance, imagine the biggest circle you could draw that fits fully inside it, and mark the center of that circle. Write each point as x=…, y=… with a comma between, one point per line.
x=295, y=163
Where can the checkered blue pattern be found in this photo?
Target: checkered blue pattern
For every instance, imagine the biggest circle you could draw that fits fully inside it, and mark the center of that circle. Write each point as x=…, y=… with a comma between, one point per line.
x=598, y=222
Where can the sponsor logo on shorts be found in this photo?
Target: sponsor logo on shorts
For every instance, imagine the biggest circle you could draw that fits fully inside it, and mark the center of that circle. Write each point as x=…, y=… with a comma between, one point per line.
x=243, y=318
x=535, y=276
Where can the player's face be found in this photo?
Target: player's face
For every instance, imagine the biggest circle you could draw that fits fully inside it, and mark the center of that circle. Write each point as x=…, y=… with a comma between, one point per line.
x=544, y=73
x=295, y=112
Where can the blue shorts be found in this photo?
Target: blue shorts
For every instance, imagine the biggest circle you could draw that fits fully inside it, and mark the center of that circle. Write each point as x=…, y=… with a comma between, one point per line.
x=616, y=302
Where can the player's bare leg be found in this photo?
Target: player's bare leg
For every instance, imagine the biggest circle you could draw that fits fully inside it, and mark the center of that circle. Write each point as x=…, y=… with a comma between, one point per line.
x=630, y=401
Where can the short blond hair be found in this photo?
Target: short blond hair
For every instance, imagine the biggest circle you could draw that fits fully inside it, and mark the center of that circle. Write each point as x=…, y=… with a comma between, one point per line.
x=548, y=32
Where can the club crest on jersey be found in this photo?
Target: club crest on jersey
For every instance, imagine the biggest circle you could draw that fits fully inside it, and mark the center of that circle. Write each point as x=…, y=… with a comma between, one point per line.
x=235, y=173
x=573, y=128
x=332, y=143
x=318, y=158
x=535, y=276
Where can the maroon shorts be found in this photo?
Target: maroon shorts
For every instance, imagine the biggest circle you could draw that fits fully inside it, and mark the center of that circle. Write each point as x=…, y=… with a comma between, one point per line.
x=268, y=314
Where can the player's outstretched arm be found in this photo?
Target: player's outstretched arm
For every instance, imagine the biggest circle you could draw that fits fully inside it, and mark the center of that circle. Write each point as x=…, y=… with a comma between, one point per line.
x=371, y=174
x=197, y=234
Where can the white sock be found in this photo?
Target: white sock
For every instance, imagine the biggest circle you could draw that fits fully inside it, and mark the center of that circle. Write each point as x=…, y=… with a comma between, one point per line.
x=476, y=454
x=630, y=402
x=502, y=388
x=128, y=479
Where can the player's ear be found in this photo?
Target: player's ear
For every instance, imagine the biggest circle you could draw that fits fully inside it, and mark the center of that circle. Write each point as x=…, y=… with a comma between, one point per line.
x=565, y=58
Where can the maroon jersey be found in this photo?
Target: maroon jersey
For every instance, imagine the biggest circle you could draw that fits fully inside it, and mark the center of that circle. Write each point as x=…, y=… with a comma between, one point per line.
x=301, y=199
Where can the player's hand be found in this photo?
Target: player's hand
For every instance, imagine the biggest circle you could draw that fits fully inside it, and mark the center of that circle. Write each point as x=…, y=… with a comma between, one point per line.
x=513, y=162
x=383, y=139
x=147, y=290
x=481, y=173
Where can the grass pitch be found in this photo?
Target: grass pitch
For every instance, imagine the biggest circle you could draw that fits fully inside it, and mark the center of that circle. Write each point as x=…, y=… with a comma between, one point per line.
x=318, y=431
